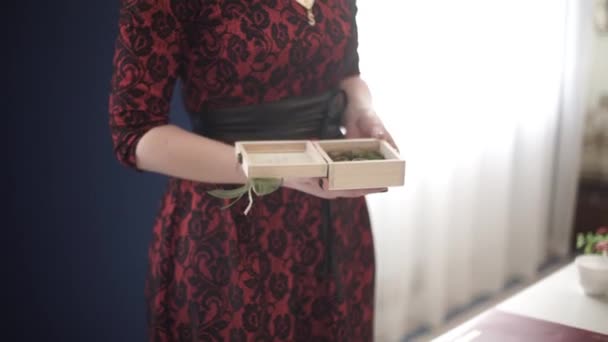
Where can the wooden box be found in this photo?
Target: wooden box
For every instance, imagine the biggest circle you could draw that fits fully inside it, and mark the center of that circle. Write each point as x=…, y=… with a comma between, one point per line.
x=311, y=159
x=362, y=174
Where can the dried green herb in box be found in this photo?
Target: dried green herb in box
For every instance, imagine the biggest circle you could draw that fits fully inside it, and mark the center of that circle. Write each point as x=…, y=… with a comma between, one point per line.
x=355, y=155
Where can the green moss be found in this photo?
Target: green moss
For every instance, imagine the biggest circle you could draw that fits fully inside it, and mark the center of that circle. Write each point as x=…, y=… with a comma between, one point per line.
x=355, y=155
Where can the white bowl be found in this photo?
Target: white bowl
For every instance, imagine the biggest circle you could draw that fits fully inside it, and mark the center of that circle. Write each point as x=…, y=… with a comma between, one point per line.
x=593, y=274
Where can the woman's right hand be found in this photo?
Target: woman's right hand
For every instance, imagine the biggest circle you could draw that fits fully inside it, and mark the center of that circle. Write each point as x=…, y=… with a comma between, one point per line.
x=313, y=186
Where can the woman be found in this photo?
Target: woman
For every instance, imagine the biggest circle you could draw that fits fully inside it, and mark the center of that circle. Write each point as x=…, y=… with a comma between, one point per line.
x=300, y=265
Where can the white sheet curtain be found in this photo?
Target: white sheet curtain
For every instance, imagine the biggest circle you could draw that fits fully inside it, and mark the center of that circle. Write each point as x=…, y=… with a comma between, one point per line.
x=476, y=93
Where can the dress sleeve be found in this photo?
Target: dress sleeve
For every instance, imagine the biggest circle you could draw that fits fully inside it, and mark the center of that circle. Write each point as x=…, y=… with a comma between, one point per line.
x=351, y=58
x=144, y=70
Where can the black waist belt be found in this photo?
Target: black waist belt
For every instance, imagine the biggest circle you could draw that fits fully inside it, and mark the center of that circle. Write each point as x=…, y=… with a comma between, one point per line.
x=307, y=117
x=293, y=118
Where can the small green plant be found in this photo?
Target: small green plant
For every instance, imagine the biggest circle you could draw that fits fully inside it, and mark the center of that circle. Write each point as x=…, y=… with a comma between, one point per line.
x=593, y=243
x=258, y=186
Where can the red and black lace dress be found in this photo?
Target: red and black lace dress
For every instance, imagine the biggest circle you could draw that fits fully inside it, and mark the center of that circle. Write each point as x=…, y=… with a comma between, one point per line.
x=220, y=275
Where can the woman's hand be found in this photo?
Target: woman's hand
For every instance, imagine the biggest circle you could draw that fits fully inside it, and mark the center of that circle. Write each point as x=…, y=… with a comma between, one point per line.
x=360, y=119
x=313, y=186
x=366, y=124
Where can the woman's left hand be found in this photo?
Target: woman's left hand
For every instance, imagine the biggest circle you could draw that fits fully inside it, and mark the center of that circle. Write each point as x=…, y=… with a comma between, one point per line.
x=366, y=124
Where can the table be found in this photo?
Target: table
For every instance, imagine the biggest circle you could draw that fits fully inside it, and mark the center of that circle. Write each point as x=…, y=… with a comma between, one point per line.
x=556, y=299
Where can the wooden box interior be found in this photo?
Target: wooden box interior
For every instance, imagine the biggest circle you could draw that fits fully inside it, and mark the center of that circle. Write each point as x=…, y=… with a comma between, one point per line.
x=343, y=175
x=280, y=159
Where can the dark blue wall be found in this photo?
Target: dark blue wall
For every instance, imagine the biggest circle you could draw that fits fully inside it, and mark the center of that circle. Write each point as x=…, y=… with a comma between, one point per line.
x=78, y=223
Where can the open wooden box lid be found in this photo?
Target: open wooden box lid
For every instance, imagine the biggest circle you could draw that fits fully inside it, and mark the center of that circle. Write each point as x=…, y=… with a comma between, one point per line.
x=311, y=159
x=280, y=159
